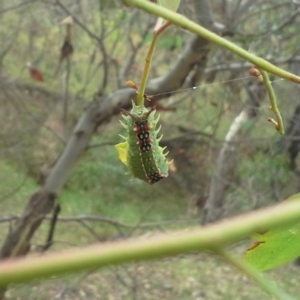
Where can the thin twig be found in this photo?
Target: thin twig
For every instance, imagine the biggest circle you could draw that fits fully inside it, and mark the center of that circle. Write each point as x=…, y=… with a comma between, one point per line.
x=49, y=241
x=278, y=123
x=17, y=6
x=105, y=220
x=79, y=23
x=74, y=283
x=149, y=57
x=14, y=191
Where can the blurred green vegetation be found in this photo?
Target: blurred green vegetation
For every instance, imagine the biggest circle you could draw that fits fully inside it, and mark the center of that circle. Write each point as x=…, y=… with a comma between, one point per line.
x=99, y=185
x=99, y=177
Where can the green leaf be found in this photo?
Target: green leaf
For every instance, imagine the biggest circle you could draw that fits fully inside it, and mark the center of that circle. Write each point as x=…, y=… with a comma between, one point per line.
x=122, y=149
x=169, y=4
x=276, y=247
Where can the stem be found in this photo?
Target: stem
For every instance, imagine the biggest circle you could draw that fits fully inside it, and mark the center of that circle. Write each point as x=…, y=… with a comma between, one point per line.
x=141, y=92
x=251, y=272
x=279, y=124
x=199, y=30
x=211, y=237
x=149, y=57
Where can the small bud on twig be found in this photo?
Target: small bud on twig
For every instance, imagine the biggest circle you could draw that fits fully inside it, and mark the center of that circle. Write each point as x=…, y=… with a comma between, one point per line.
x=255, y=72
x=271, y=120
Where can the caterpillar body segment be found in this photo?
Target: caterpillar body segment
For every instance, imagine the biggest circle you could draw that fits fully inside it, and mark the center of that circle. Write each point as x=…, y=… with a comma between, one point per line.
x=144, y=157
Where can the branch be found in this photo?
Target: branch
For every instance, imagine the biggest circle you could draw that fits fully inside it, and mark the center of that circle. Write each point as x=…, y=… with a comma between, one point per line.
x=205, y=16
x=284, y=23
x=201, y=31
x=212, y=237
x=17, y=6
x=224, y=172
x=105, y=220
x=78, y=22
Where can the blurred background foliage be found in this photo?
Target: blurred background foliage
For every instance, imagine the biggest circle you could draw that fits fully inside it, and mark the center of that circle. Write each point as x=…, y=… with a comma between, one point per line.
x=110, y=43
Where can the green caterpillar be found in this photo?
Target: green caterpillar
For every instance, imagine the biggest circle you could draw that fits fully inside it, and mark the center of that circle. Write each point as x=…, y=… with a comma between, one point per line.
x=141, y=152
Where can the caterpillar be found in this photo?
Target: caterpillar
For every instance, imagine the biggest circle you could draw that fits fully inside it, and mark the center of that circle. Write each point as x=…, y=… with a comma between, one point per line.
x=141, y=152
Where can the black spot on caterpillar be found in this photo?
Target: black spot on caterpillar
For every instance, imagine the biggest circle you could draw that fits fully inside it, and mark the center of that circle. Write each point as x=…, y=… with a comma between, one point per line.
x=141, y=152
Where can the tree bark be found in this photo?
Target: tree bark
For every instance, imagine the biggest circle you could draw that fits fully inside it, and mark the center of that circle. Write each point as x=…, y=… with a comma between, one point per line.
x=227, y=160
